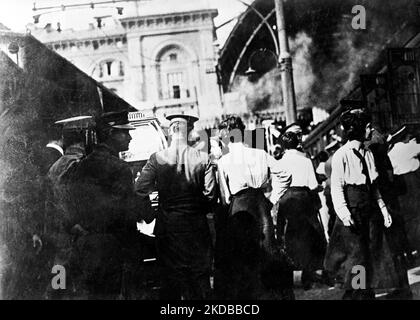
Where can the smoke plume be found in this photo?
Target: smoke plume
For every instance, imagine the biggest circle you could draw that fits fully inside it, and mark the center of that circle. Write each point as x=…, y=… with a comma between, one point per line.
x=328, y=54
x=265, y=93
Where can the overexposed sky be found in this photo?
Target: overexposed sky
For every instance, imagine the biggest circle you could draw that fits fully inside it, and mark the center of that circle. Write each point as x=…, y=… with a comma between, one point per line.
x=16, y=14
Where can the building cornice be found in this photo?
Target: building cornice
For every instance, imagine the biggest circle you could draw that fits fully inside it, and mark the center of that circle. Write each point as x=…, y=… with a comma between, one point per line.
x=172, y=20
x=88, y=42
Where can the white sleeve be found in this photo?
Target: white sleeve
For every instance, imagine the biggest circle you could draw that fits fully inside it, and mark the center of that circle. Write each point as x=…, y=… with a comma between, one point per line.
x=416, y=149
x=337, y=187
x=281, y=182
x=373, y=172
x=312, y=181
x=223, y=184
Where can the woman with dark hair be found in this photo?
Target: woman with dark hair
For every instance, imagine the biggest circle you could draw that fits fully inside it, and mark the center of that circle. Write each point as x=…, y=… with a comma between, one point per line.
x=356, y=252
x=302, y=234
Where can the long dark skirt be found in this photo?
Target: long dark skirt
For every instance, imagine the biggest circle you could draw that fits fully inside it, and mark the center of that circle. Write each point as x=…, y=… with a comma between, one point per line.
x=247, y=260
x=301, y=230
x=364, y=244
x=410, y=207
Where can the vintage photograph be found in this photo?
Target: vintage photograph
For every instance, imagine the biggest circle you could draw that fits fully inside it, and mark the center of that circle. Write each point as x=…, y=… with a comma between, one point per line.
x=210, y=150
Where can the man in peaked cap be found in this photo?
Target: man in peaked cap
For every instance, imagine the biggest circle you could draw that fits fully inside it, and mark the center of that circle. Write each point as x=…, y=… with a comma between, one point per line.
x=108, y=210
x=186, y=122
x=59, y=201
x=186, y=184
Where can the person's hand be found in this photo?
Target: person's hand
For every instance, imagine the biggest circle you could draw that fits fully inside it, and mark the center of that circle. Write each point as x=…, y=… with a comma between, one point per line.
x=37, y=243
x=348, y=221
x=387, y=217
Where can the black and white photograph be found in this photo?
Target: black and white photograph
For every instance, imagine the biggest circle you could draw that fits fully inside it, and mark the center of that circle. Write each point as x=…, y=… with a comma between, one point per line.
x=174, y=151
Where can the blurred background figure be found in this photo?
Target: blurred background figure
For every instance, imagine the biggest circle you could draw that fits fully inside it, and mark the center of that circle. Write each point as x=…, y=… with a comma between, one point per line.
x=404, y=156
x=322, y=157
x=331, y=148
x=195, y=141
x=280, y=181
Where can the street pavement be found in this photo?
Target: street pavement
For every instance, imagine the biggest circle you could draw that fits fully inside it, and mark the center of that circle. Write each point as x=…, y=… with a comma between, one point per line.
x=322, y=292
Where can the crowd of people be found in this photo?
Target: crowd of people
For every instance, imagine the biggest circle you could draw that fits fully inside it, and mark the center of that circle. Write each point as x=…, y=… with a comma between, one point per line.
x=273, y=215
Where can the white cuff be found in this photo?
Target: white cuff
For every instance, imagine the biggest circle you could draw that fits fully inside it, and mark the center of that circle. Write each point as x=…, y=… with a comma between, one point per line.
x=343, y=213
x=381, y=203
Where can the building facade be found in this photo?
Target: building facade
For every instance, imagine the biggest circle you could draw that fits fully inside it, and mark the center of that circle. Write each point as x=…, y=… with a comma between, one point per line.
x=161, y=63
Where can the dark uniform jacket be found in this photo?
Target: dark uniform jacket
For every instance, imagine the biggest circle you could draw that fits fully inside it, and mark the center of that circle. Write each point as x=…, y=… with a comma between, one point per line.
x=107, y=208
x=185, y=181
x=59, y=201
x=105, y=184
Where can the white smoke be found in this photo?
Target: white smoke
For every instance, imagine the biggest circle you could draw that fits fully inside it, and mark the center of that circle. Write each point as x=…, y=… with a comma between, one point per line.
x=354, y=59
x=265, y=94
x=303, y=75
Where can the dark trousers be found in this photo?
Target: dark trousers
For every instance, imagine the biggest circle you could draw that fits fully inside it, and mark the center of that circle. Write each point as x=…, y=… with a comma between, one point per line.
x=184, y=260
x=98, y=265
x=362, y=245
x=349, y=247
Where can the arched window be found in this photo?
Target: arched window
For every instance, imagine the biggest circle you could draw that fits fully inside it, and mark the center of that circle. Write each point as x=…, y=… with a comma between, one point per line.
x=173, y=57
x=173, y=73
x=108, y=69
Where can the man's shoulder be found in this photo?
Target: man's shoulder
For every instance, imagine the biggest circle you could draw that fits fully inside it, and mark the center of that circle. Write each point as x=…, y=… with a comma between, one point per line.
x=105, y=161
x=203, y=155
x=398, y=147
x=198, y=154
x=222, y=160
x=340, y=153
x=258, y=152
x=62, y=164
x=160, y=157
x=55, y=165
x=342, y=150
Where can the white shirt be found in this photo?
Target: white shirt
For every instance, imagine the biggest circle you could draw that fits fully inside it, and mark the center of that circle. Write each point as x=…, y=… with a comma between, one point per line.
x=301, y=169
x=403, y=157
x=347, y=169
x=280, y=180
x=244, y=168
x=321, y=169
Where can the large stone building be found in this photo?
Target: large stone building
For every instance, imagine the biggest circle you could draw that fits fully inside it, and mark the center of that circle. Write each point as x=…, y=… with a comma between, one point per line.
x=161, y=61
